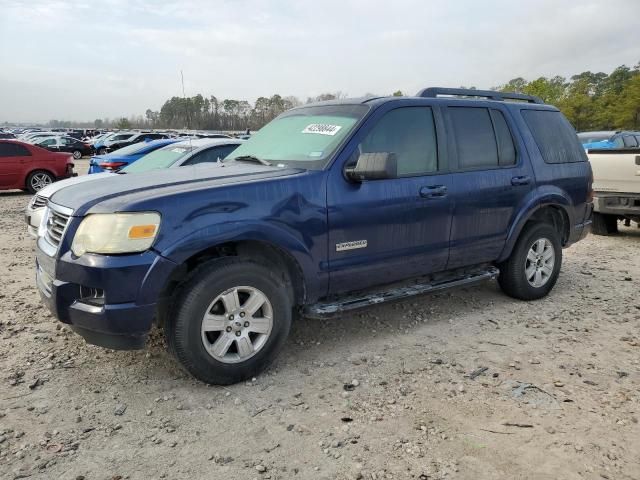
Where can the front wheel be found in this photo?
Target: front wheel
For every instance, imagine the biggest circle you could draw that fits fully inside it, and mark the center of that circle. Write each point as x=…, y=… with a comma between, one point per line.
x=77, y=154
x=534, y=265
x=230, y=320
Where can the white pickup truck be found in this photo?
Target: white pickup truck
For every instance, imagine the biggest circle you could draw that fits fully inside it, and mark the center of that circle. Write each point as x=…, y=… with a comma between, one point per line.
x=616, y=185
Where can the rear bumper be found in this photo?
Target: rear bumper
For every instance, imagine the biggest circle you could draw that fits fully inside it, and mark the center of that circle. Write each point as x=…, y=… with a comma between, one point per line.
x=622, y=204
x=109, y=300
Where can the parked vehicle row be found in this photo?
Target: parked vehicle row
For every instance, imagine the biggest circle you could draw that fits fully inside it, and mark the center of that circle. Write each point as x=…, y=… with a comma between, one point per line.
x=162, y=154
x=328, y=208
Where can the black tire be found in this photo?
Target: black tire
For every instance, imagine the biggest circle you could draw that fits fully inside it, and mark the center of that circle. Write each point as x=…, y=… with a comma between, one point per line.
x=513, y=279
x=77, y=154
x=38, y=179
x=604, y=224
x=195, y=295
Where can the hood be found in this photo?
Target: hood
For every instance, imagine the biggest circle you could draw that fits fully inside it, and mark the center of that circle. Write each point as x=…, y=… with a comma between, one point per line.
x=116, y=191
x=48, y=191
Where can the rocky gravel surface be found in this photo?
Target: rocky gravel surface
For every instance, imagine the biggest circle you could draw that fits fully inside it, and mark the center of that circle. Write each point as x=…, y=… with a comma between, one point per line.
x=465, y=384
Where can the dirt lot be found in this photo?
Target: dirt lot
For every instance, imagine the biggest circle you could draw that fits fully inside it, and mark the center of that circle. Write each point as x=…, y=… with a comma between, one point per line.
x=385, y=393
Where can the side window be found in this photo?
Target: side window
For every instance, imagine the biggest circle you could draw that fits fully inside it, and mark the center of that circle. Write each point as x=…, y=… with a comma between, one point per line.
x=6, y=150
x=638, y=139
x=20, y=151
x=629, y=141
x=618, y=142
x=410, y=133
x=504, y=139
x=224, y=151
x=211, y=155
x=473, y=134
x=555, y=137
x=48, y=142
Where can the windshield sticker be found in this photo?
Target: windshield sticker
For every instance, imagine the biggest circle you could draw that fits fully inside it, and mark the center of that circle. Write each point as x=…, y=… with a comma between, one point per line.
x=322, y=129
x=315, y=154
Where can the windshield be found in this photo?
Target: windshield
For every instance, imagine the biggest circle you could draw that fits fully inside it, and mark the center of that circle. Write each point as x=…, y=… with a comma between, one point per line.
x=121, y=136
x=305, y=137
x=587, y=137
x=158, y=159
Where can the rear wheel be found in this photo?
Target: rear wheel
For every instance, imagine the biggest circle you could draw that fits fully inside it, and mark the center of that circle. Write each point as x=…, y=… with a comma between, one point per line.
x=38, y=180
x=230, y=320
x=77, y=154
x=604, y=224
x=534, y=265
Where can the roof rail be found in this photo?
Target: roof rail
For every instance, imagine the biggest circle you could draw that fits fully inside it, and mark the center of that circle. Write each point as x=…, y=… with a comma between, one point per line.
x=434, y=92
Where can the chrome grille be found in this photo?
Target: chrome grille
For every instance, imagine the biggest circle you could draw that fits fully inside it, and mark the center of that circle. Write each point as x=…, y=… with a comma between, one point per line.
x=38, y=202
x=56, y=225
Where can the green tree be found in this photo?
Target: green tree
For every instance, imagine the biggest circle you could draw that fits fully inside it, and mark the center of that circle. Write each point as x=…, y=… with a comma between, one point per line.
x=123, y=123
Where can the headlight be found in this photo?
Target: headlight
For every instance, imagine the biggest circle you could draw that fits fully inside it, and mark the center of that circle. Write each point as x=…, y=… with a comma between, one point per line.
x=116, y=233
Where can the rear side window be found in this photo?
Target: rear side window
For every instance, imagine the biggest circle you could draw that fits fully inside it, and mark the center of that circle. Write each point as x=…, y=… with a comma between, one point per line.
x=629, y=141
x=504, y=140
x=474, y=137
x=13, y=150
x=555, y=137
x=212, y=155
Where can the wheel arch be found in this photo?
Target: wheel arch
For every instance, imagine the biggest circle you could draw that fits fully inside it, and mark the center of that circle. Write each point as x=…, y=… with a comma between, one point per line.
x=257, y=250
x=552, y=209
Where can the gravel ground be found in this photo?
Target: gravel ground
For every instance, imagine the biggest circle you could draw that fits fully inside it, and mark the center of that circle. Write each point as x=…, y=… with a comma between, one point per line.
x=466, y=384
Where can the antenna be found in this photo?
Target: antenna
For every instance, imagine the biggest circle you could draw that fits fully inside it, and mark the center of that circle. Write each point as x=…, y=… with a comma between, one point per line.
x=186, y=109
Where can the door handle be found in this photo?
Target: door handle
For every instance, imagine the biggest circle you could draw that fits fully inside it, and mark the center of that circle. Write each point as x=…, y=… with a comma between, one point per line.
x=522, y=180
x=433, y=191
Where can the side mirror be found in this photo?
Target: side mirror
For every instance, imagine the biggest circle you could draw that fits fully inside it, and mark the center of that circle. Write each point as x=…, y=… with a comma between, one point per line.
x=374, y=166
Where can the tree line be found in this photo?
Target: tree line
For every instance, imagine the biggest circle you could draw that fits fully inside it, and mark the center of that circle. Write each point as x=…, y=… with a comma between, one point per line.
x=591, y=101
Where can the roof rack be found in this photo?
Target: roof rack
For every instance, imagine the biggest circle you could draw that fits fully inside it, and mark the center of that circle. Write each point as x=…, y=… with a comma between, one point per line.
x=434, y=92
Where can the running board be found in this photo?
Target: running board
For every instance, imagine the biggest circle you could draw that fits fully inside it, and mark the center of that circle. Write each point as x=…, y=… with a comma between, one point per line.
x=328, y=309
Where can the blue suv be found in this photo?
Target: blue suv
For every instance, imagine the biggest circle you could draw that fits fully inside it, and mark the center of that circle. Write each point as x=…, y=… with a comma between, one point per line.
x=330, y=207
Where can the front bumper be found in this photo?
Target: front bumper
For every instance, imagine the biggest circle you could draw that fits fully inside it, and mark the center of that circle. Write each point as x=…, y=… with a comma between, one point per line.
x=108, y=300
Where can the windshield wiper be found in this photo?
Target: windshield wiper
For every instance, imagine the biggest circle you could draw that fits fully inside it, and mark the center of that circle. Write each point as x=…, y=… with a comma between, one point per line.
x=252, y=159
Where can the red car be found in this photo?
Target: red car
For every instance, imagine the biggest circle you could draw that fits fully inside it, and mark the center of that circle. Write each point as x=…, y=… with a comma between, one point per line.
x=31, y=168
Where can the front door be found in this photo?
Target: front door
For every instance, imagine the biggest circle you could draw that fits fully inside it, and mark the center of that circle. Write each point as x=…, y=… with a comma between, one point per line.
x=381, y=231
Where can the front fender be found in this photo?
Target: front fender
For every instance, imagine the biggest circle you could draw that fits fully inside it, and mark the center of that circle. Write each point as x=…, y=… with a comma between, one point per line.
x=538, y=198
x=300, y=247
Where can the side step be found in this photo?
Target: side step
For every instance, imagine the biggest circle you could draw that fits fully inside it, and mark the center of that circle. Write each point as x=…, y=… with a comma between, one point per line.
x=328, y=309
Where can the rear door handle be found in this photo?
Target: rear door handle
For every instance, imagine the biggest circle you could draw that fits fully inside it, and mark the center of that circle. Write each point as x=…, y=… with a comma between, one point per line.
x=523, y=180
x=433, y=191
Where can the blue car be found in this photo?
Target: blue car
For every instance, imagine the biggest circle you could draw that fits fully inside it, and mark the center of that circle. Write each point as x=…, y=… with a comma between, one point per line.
x=110, y=162
x=609, y=140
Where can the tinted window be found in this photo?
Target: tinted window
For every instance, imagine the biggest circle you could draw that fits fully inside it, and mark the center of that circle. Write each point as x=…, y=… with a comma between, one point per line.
x=638, y=139
x=506, y=148
x=555, y=137
x=13, y=150
x=409, y=133
x=618, y=142
x=474, y=137
x=48, y=142
x=629, y=141
x=211, y=155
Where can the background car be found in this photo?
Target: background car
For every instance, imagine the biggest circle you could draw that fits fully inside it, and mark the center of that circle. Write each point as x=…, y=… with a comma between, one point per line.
x=126, y=155
x=66, y=144
x=7, y=135
x=102, y=146
x=608, y=140
x=185, y=152
x=136, y=138
x=29, y=167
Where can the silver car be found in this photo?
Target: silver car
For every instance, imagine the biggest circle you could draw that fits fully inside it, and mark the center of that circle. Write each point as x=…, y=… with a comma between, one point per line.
x=184, y=153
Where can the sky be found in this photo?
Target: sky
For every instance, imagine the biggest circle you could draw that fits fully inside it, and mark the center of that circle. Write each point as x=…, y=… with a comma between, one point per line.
x=88, y=59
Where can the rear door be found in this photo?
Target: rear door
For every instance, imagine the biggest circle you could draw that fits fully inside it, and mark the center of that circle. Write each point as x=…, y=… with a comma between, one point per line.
x=492, y=178
x=13, y=158
x=381, y=231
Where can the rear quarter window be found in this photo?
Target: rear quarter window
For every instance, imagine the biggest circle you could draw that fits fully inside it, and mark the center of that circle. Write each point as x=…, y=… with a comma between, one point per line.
x=555, y=137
